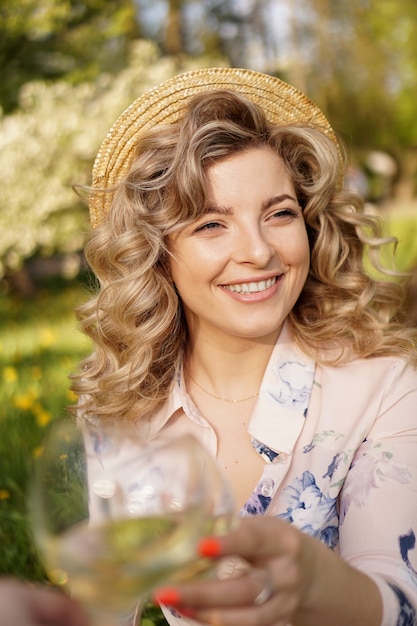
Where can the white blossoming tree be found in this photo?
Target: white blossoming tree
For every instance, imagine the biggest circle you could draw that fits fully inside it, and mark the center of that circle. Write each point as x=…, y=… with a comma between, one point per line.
x=49, y=145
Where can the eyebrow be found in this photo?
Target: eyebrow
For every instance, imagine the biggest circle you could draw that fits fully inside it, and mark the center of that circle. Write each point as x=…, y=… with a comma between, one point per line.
x=277, y=200
x=225, y=210
x=220, y=210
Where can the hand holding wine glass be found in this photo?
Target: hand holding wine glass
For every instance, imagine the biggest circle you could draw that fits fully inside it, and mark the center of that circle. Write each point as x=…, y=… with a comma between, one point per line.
x=114, y=515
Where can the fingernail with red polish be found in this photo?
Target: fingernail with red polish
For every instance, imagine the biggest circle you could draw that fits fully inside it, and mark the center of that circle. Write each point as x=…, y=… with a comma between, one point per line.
x=209, y=547
x=168, y=596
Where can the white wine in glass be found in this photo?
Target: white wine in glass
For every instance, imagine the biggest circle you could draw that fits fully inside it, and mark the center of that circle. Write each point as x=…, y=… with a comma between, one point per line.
x=114, y=515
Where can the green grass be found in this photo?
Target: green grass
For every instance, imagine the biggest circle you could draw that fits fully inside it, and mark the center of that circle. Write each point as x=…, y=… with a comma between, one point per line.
x=39, y=347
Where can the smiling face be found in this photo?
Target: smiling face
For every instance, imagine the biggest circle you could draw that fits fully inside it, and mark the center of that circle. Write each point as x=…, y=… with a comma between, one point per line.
x=240, y=267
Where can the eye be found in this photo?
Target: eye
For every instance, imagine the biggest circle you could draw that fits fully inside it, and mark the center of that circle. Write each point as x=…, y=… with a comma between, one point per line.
x=284, y=214
x=208, y=226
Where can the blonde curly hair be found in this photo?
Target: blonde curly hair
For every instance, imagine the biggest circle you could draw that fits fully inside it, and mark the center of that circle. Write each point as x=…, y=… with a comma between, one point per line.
x=135, y=318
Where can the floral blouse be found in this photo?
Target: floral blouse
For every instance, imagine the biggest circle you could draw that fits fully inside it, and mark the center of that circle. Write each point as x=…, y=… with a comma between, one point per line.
x=339, y=446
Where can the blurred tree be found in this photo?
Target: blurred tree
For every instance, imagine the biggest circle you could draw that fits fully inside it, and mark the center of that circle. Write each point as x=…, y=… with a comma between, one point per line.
x=371, y=62
x=53, y=39
x=243, y=30
x=174, y=35
x=49, y=144
x=358, y=61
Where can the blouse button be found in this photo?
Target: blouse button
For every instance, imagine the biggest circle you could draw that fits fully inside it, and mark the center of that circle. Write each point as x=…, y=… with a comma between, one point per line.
x=267, y=488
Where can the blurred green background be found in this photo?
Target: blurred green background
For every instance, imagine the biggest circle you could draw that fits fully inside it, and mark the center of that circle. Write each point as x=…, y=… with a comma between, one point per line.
x=68, y=68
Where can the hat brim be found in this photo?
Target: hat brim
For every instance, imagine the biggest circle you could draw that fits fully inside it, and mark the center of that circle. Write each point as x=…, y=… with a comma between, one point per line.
x=282, y=103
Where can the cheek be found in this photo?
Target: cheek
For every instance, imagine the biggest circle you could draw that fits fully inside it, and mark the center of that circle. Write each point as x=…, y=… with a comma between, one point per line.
x=296, y=251
x=193, y=262
x=177, y=262
x=185, y=274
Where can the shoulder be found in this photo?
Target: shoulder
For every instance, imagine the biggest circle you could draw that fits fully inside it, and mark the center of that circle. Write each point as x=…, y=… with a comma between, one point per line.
x=370, y=388
x=366, y=371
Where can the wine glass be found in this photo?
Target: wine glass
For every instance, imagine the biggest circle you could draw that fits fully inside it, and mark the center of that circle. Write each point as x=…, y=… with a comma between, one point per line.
x=114, y=515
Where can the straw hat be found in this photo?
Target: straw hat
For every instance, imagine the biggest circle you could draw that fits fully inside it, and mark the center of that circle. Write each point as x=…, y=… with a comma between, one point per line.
x=164, y=104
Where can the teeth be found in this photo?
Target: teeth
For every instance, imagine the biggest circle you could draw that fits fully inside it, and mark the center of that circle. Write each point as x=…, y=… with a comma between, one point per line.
x=252, y=287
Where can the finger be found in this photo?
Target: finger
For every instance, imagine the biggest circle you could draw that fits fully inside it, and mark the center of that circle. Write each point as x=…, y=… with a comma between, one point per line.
x=255, y=587
x=276, y=611
x=254, y=540
x=254, y=598
x=231, y=592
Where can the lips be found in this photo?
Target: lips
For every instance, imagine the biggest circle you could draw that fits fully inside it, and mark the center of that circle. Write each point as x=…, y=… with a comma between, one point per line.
x=252, y=287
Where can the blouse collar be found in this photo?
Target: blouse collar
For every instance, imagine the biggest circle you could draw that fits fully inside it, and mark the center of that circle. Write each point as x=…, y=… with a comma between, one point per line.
x=281, y=408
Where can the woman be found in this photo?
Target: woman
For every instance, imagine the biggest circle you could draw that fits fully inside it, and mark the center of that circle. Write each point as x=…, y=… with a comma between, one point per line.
x=234, y=304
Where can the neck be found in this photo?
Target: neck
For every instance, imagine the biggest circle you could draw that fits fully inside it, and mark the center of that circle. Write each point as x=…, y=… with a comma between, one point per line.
x=231, y=376
x=221, y=398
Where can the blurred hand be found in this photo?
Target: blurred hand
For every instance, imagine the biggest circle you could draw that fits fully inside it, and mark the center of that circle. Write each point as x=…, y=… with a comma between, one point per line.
x=26, y=605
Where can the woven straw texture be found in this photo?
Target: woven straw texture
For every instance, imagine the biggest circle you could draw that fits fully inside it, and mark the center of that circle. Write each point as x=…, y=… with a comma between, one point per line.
x=282, y=103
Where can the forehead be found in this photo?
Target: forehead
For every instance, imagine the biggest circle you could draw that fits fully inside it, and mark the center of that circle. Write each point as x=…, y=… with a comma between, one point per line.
x=249, y=167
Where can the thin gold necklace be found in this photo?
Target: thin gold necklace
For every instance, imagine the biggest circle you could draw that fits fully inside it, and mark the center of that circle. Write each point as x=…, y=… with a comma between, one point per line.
x=254, y=395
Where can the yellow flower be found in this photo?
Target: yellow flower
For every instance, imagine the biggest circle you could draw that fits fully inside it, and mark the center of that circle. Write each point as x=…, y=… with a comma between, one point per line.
x=24, y=402
x=47, y=337
x=4, y=494
x=37, y=452
x=42, y=417
x=72, y=397
x=10, y=374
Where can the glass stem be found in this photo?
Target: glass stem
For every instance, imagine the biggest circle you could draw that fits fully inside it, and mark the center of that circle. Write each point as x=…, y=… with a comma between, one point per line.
x=101, y=617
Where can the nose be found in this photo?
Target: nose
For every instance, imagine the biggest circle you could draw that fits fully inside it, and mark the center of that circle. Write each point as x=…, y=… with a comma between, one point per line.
x=252, y=246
